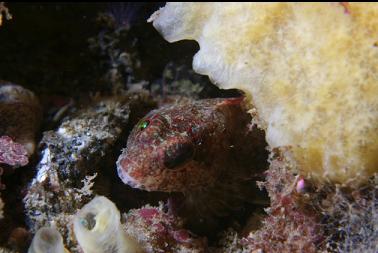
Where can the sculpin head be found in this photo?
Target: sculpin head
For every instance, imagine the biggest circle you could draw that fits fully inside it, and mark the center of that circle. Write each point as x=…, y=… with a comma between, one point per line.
x=174, y=148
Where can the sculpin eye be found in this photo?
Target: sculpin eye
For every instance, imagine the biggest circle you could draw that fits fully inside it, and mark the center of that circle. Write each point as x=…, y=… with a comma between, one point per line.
x=144, y=124
x=178, y=154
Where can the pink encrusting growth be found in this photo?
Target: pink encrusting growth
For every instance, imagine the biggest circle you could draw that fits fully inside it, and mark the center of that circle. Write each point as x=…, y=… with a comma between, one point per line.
x=12, y=153
x=160, y=231
x=150, y=215
x=181, y=147
x=293, y=223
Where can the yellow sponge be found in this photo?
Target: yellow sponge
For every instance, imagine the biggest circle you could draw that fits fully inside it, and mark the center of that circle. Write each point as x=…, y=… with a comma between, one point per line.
x=310, y=71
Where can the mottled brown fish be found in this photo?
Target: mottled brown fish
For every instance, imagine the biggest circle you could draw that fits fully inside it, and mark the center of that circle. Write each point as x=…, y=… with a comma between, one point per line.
x=202, y=150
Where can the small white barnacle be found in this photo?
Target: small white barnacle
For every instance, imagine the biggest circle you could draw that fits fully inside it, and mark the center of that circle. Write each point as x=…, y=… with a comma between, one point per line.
x=97, y=228
x=47, y=240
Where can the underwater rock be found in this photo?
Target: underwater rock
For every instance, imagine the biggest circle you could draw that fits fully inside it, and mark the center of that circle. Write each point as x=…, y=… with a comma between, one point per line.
x=159, y=231
x=20, y=114
x=179, y=80
x=308, y=69
x=19, y=239
x=120, y=61
x=20, y=118
x=47, y=240
x=72, y=156
x=97, y=227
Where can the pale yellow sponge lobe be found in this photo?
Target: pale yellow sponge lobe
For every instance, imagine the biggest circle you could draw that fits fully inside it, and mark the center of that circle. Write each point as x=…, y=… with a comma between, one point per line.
x=310, y=70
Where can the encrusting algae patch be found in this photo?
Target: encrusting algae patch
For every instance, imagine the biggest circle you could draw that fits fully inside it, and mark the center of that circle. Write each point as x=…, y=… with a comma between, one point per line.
x=309, y=70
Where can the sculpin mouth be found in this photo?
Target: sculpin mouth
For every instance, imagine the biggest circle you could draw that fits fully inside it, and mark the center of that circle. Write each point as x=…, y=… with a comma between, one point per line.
x=123, y=172
x=129, y=173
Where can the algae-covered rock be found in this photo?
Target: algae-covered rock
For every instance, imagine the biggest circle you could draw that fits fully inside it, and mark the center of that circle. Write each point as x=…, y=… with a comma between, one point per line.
x=73, y=155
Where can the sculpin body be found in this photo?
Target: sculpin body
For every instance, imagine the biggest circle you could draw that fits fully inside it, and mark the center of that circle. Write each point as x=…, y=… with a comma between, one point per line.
x=184, y=147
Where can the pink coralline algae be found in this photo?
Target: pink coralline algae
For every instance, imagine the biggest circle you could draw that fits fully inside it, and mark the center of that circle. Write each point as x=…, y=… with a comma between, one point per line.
x=159, y=231
x=12, y=153
x=292, y=224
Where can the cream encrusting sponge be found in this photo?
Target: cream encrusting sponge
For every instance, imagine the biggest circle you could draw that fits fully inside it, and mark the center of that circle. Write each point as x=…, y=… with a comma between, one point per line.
x=309, y=69
x=98, y=229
